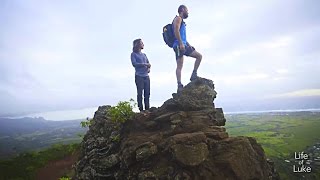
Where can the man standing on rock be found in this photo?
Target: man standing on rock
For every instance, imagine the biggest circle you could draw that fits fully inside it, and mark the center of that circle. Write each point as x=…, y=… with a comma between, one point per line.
x=142, y=67
x=182, y=47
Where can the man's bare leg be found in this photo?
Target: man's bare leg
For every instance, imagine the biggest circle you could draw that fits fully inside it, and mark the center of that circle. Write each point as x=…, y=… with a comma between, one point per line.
x=198, y=57
x=178, y=72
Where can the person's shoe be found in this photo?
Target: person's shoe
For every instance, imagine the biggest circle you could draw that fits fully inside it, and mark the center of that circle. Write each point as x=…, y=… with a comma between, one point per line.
x=143, y=112
x=180, y=87
x=194, y=76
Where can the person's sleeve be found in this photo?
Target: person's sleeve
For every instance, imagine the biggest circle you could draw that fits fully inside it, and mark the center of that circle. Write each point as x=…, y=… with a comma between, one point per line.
x=147, y=59
x=134, y=61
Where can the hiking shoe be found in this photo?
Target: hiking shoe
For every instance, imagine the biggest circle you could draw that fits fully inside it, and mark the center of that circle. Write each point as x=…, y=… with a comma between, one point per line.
x=180, y=87
x=194, y=76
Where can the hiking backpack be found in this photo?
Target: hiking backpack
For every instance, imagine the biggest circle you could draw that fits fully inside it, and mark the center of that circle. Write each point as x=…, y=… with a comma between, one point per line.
x=168, y=35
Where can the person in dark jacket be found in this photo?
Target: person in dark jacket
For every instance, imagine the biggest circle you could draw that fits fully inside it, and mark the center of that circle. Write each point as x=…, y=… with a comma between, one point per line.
x=142, y=68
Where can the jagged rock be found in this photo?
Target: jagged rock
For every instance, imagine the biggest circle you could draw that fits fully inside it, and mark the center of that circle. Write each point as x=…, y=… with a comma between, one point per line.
x=145, y=150
x=188, y=138
x=182, y=176
x=182, y=139
x=164, y=117
x=197, y=95
x=110, y=161
x=190, y=155
x=147, y=175
x=217, y=135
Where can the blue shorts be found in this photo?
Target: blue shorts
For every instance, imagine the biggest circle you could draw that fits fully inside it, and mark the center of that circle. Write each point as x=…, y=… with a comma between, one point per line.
x=188, y=50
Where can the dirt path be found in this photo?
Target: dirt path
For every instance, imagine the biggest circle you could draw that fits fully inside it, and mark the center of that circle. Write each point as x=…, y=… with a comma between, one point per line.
x=55, y=169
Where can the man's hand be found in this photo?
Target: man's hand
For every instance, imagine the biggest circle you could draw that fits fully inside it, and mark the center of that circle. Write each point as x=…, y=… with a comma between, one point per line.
x=182, y=47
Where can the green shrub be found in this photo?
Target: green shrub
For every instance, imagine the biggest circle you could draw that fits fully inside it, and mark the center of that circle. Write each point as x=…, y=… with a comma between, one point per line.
x=115, y=138
x=86, y=123
x=64, y=178
x=122, y=111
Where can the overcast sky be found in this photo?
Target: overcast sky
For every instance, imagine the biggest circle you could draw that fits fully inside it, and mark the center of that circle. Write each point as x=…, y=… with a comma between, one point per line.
x=60, y=55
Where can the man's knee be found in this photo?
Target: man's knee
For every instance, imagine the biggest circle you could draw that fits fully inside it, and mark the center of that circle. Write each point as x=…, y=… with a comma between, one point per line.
x=199, y=57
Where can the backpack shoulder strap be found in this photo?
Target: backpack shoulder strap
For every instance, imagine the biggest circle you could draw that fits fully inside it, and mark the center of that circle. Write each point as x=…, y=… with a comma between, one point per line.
x=175, y=18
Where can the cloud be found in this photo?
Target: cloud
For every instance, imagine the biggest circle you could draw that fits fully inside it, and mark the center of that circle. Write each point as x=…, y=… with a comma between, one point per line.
x=201, y=40
x=53, y=53
x=299, y=93
x=282, y=71
x=265, y=20
x=162, y=79
x=276, y=43
x=277, y=46
x=240, y=79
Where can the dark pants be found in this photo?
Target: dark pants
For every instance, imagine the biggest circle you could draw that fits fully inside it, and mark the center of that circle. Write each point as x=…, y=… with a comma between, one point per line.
x=143, y=85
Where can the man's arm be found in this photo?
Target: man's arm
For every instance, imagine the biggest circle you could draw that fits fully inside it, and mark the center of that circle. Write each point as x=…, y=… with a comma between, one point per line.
x=176, y=27
x=134, y=62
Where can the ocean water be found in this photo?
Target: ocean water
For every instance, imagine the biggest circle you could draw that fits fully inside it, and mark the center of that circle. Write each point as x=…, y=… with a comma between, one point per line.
x=63, y=115
x=70, y=114
x=89, y=112
x=275, y=110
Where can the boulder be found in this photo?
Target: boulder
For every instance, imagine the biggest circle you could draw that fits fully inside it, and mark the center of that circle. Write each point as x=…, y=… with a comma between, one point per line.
x=182, y=139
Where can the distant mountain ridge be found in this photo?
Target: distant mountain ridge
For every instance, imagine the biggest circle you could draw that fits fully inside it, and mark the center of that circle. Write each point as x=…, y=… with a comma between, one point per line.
x=27, y=134
x=28, y=124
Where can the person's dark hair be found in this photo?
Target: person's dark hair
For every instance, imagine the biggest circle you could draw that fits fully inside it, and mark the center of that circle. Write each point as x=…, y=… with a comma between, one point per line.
x=135, y=45
x=181, y=8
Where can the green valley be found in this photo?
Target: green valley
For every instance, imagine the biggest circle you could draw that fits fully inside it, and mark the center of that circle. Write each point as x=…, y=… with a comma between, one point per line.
x=281, y=134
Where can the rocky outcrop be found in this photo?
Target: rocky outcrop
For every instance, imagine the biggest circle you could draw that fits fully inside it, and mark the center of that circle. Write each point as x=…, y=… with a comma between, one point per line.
x=182, y=139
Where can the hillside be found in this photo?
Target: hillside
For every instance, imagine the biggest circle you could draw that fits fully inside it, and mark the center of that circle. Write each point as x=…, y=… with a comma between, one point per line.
x=47, y=164
x=29, y=134
x=281, y=134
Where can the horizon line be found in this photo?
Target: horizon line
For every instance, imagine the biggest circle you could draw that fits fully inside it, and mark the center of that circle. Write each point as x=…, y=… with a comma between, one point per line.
x=226, y=113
